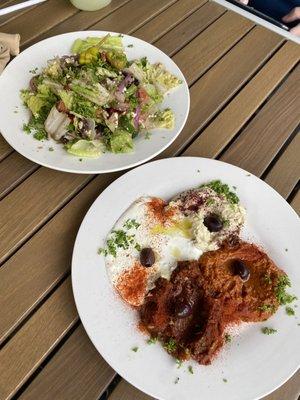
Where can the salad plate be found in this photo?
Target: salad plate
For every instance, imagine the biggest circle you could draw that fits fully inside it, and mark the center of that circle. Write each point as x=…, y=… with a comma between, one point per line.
x=73, y=110
x=253, y=364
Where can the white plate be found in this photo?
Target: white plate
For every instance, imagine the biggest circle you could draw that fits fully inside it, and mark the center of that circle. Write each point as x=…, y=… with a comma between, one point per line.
x=13, y=114
x=254, y=364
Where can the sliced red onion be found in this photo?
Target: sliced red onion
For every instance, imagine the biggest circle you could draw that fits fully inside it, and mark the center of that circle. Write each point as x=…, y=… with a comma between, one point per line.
x=126, y=81
x=136, y=119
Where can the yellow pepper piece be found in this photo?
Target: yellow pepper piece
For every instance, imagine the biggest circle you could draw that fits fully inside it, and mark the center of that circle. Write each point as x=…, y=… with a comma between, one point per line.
x=88, y=56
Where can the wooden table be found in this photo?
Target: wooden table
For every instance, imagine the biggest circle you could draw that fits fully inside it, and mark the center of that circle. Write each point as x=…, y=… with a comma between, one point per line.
x=245, y=109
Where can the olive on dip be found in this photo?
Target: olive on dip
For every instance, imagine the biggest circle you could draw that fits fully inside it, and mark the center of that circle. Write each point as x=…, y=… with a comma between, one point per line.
x=147, y=257
x=241, y=269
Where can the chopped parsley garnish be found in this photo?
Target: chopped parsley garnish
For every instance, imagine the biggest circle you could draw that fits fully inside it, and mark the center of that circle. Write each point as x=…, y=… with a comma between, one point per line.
x=138, y=247
x=282, y=296
x=176, y=380
x=152, y=340
x=80, y=159
x=228, y=338
x=51, y=149
x=33, y=71
x=118, y=239
x=266, y=307
x=268, y=331
x=222, y=189
x=289, y=310
x=286, y=249
x=190, y=369
x=131, y=223
x=170, y=346
x=179, y=363
x=147, y=135
x=130, y=45
x=225, y=380
x=135, y=349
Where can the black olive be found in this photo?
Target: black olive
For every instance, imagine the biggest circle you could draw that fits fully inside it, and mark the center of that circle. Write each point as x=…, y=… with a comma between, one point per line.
x=241, y=269
x=147, y=257
x=182, y=309
x=213, y=223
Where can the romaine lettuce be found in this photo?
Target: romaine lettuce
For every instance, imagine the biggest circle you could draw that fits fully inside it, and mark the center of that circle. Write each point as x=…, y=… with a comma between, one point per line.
x=86, y=148
x=121, y=141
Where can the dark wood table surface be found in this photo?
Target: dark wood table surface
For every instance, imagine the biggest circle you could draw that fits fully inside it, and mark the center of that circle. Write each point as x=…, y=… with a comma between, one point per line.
x=245, y=109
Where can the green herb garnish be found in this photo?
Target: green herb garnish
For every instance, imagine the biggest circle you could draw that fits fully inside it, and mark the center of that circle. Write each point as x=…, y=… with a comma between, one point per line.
x=170, y=346
x=131, y=223
x=130, y=45
x=225, y=380
x=33, y=71
x=268, y=331
x=179, y=363
x=152, y=340
x=135, y=349
x=228, y=338
x=51, y=149
x=289, y=310
x=190, y=369
x=222, y=189
x=280, y=291
x=267, y=307
x=147, y=135
x=176, y=380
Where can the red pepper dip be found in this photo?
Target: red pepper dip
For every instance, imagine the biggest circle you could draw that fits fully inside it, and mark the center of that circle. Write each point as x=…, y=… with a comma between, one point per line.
x=190, y=313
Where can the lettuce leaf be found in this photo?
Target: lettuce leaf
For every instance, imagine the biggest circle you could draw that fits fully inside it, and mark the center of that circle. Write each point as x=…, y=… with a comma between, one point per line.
x=67, y=98
x=113, y=43
x=161, y=119
x=121, y=141
x=96, y=94
x=86, y=148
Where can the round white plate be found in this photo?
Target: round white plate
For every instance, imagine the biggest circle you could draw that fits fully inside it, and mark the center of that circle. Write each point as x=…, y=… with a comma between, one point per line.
x=253, y=364
x=13, y=114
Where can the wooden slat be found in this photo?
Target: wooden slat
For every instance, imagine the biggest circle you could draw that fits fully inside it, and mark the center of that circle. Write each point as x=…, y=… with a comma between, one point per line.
x=33, y=202
x=228, y=123
x=212, y=44
x=29, y=347
x=259, y=143
x=172, y=16
x=5, y=148
x=79, y=21
x=131, y=16
x=44, y=260
x=182, y=33
x=285, y=174
x=125, y=391
x=295, y=203
x=8, y=17
x=45, y=16
x=13, y=170
x=56, y=381
x=289, y=391
x=211, y=92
